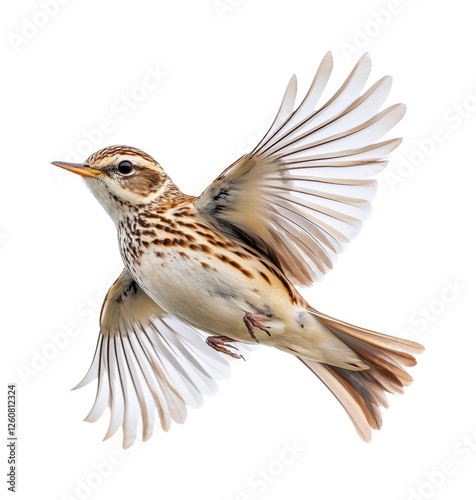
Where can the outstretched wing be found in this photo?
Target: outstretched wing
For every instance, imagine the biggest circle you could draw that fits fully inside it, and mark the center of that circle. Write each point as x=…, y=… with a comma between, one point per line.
x=145, y=361
x=301, y=195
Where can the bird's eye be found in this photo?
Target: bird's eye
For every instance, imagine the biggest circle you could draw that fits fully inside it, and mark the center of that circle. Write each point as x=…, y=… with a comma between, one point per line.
x=125, y=167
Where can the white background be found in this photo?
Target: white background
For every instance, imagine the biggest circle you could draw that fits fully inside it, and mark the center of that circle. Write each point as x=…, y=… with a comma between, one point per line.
x=224, y=66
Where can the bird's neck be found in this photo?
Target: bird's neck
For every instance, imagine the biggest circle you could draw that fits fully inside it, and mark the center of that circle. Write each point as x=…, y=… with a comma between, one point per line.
x=122, y=211
x=133, y=219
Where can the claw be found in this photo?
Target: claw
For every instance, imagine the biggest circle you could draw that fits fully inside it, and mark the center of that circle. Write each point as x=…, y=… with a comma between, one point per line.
x=252, y=320
x=218, y=343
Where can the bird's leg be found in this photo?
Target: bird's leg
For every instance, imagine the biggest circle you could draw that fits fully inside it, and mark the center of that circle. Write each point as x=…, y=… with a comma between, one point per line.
x=253, y=320
x=219, y=343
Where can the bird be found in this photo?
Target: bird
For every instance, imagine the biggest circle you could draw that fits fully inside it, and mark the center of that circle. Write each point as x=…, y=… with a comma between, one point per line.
x=207, y=278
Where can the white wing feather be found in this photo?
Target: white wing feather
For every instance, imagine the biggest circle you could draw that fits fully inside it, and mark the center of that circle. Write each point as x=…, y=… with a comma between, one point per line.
x=301, y=195
x=148, y=362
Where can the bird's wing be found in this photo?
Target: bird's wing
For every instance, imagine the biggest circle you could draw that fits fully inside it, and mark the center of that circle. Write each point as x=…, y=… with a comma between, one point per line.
x=145, y=361
x=301, y=195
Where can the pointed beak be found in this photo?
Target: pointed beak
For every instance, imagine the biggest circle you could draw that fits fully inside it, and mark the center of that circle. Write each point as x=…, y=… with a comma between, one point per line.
x=78, y=168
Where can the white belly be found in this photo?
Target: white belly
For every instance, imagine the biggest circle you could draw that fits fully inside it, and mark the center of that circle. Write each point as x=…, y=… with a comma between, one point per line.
x=209, y=300
x=212, y=295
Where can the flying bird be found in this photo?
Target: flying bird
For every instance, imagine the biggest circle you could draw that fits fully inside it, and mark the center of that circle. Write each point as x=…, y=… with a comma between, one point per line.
x=204, y=276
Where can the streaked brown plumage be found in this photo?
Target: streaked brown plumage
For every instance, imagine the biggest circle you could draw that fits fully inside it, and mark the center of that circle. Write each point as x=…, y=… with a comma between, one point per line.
x=227, y=263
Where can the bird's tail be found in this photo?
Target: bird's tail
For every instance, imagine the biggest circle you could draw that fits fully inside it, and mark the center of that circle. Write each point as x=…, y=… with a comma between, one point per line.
x=361, y=393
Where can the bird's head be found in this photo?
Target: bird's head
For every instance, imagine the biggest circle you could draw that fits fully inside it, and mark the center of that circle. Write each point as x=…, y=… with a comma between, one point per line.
x=122, y=178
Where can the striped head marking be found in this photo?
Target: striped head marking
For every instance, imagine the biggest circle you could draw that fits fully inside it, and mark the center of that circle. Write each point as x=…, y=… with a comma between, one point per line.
x=121, y=178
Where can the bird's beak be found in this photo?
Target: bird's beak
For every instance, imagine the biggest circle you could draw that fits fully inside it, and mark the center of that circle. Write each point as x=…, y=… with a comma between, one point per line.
x=78, y=168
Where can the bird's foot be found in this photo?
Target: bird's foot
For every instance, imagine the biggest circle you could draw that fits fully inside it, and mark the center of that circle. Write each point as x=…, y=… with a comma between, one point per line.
x=219, y=343
x=253, y=320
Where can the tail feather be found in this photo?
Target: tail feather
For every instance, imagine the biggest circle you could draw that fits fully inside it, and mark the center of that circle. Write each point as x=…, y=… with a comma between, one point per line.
x=362, y=393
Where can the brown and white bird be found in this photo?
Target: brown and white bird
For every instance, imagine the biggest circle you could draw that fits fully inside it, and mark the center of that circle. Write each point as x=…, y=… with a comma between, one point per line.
x=226, y=264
